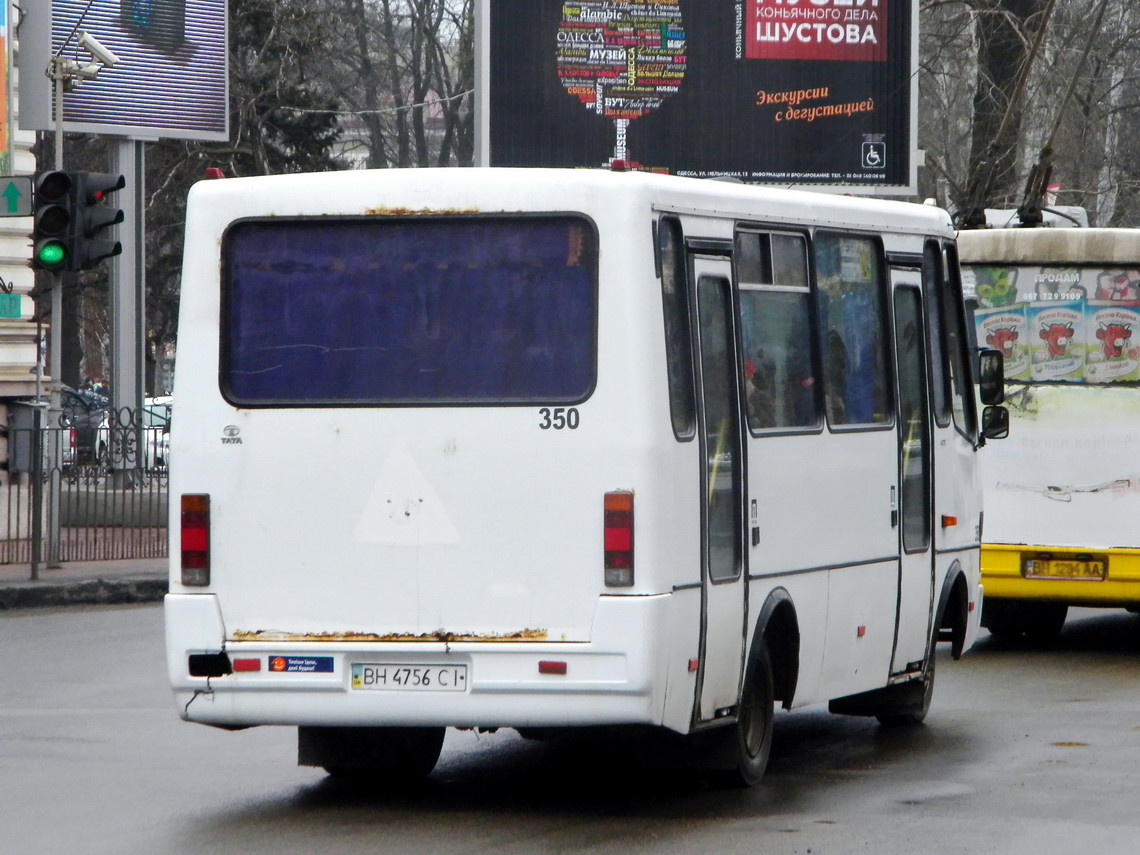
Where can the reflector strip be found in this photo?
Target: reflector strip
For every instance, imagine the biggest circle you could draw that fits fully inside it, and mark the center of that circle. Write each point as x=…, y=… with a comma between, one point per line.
x=549, y=667
x=247, y=664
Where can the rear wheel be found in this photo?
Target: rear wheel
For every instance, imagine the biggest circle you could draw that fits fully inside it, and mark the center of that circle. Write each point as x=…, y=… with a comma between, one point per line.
x=370, y=754
x=916, y=702
x=753, y=730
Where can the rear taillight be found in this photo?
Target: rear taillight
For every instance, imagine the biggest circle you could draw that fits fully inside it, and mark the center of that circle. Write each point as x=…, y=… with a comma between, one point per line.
x=619, y=539
x=195, y=539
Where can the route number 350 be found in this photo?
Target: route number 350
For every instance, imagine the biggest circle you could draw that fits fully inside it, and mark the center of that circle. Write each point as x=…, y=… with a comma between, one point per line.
x=558, y=418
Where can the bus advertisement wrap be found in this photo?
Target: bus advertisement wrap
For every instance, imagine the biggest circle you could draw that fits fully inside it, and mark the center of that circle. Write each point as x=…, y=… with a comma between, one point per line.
x=1066, y=324
x=774, y=91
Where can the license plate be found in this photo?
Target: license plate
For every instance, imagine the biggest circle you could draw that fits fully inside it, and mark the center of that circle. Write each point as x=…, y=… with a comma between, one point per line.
x=393, y=677
x=1063, y=568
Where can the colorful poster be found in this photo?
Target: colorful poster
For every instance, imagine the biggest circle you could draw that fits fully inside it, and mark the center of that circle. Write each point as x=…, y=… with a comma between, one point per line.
x=1056, y=340
x=623, y=61
x=791, y=92
x=1113, y=354
x=1004, y=329
x=1061, y=323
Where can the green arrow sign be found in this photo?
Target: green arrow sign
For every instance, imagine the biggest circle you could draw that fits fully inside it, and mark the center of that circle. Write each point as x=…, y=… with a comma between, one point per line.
x=15, y=196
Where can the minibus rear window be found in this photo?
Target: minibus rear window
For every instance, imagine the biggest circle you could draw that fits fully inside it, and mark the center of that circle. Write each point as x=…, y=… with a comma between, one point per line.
x=409, y=310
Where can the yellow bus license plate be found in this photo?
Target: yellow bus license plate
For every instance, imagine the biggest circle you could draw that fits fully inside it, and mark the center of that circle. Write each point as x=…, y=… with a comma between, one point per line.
x=1063, y=568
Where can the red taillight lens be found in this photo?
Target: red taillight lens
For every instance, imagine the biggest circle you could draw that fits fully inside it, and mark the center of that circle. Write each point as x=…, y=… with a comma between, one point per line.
x=619, y=539
x=195, y=539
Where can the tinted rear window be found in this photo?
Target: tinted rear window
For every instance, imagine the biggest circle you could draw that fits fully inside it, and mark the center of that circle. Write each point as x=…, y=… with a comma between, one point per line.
x=421, y=310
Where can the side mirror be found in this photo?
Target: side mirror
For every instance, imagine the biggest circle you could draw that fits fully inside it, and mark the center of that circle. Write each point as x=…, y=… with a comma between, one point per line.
x=991, y=376
x=995, y=422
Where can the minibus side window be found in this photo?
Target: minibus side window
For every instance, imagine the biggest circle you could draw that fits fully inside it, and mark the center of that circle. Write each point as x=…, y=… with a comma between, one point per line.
x=933, y=286
x=849, y=276
x=958, y=347
x=675, y=302
x=776, y=331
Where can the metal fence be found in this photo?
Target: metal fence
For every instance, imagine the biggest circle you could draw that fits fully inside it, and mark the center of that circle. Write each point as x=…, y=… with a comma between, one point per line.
x=84, y=492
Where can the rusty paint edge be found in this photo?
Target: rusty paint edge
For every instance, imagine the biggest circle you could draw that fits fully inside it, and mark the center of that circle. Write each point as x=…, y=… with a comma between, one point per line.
x=403, y=212
x=273, y=635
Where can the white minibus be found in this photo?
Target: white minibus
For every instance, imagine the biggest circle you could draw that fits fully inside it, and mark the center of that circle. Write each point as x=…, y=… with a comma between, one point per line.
x=551, y=449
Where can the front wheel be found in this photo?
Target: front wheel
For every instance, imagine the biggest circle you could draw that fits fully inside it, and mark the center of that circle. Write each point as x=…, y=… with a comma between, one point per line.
x=1040, y=622
x=1045, y=622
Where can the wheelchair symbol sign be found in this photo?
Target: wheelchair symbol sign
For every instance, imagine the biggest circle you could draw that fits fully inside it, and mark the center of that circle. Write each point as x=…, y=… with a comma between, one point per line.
x=874, y=155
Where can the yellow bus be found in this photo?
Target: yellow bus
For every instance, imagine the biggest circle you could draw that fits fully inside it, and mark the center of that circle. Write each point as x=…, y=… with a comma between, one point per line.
x=1062, y=493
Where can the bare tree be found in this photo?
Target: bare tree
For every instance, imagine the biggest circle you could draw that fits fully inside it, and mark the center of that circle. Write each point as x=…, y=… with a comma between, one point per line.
x=1067, y=104
x=404, y=69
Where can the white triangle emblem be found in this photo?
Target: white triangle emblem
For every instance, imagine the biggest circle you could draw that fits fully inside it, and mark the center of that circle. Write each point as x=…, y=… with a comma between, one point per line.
x=404, y=509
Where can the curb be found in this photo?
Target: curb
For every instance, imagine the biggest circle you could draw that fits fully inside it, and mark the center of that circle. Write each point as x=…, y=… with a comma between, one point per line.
x=88, y=592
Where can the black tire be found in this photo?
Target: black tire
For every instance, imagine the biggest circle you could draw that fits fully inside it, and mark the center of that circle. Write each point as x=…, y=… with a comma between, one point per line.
x=1003, y=619
x=1009, y=620
x=371, y=755
x=918, y=704
x=1044, y=622
x=753, y=730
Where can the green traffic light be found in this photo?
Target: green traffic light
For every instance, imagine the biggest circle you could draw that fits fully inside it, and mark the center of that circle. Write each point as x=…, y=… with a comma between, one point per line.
x=51, y=254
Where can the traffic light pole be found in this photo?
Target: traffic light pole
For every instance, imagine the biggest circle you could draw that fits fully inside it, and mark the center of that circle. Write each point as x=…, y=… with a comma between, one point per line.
x=55, y=364
x=128, y=273
x=55, y=359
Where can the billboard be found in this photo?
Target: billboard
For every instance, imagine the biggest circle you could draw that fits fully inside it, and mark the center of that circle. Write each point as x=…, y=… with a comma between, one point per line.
x=170, y=79
x=790, y=92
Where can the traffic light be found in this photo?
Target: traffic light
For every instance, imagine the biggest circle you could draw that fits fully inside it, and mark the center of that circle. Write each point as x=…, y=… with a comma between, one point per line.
x=52, y=220
x=92, y=217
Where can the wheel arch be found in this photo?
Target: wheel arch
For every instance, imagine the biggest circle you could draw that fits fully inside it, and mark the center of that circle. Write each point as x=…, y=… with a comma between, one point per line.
x=777, y=624
x=952, y=615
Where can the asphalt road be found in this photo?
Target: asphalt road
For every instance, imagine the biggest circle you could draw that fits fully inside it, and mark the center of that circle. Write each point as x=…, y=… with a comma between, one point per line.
x=1025, y=751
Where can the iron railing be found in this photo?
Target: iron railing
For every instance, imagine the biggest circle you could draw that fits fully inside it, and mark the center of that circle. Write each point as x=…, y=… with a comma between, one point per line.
x=92, y=492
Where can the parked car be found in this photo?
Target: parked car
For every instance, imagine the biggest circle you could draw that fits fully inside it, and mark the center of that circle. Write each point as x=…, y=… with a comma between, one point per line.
x=85, y=413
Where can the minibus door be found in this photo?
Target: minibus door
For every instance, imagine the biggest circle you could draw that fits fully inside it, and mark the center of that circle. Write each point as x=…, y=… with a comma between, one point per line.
x=722, y=491
x=916, y=565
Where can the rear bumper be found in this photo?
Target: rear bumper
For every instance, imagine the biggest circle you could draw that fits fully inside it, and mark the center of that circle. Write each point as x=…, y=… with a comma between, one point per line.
x=1003, y=578
x=616, y=678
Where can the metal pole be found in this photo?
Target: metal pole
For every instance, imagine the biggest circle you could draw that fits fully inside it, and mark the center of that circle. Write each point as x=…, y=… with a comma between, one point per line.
x=127, y=303
x=55, y=363
x=37, y=489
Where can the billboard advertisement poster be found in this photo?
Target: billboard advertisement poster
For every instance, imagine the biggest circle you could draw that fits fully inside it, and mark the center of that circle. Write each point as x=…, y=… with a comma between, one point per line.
x=169, y=80
x=790, y=92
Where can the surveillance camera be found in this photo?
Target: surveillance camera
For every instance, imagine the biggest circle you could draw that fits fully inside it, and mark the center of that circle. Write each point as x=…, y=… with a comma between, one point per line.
x=89, y=71
x=91, y=44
